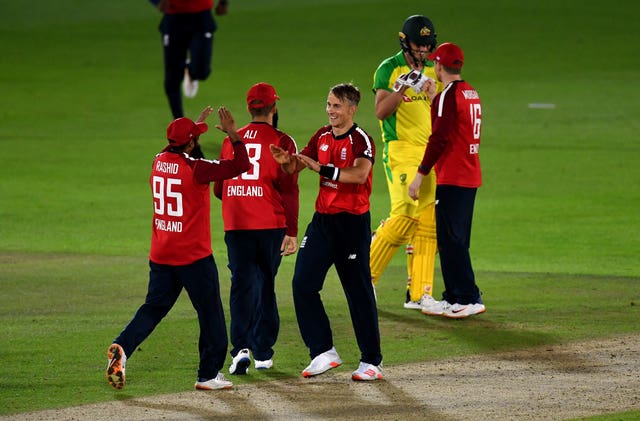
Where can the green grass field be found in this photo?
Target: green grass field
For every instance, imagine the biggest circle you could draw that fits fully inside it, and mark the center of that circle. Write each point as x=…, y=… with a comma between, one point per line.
x=82, y=112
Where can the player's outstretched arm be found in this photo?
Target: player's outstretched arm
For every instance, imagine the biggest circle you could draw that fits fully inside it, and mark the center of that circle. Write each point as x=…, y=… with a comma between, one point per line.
x=288, y=163
x=357, y=174
x=208, y=110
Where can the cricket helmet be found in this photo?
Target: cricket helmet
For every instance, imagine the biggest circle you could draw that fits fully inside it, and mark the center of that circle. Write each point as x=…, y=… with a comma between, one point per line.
x=419, y=30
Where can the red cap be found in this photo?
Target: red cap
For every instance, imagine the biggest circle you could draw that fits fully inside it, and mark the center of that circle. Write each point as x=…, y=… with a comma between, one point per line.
x=182, y=130
x=449, y=55
x=261, y=95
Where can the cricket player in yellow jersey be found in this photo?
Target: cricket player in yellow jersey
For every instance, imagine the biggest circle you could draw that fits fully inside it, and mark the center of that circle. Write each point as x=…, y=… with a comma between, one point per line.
x=404, y=113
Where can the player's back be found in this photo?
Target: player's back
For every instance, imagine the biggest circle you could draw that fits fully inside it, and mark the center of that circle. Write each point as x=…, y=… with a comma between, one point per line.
x=253, y=200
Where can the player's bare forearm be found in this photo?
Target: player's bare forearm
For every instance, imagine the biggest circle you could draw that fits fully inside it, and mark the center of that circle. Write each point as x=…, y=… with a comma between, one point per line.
x=387, y=103
x=358, y=173
x=208, y=110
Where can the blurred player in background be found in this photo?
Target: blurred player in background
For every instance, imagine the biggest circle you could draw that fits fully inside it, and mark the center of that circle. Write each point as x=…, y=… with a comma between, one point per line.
x=403, y=111
x=181, y=255
x=187, y=29
x=260, y=212
x=339, y=234
x=453, y=149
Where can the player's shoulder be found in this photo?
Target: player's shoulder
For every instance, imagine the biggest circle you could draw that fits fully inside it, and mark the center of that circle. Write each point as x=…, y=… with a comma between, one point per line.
x=358, y=130
x=466, y=85
x=359, y=134
x=363, y=142
x=388, y=69
x=323, y=131
x=396, y=60
x=285, y=140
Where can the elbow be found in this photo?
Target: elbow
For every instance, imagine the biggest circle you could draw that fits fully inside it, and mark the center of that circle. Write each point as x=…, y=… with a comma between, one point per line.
x=361, y=178
x=381, y=115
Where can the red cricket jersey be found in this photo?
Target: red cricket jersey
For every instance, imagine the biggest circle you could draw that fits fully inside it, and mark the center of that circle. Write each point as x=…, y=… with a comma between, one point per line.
x=181, y=231
x=264, y=197
x=188, y=6
x=341, y=152
x=454, y=145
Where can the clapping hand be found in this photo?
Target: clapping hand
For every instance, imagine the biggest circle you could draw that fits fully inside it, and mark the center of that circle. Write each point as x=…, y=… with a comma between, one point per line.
x=227, y=123
x=208, y=110
x=280, y=155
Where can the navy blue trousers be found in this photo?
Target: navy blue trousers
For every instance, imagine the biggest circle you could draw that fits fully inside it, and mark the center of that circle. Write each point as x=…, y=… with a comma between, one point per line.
x=182, y=35
x=200, y=280
x=342, y=240
x=454, y=214
x=254, y=259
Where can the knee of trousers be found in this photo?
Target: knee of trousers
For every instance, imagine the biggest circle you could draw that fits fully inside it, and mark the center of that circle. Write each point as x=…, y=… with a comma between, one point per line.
x=426, y=226
x=302, y=287
x=201, y=74
x=397, y=230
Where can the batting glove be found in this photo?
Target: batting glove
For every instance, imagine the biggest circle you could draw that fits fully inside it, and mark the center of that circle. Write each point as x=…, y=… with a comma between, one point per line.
x=400, y=83
x=416, y=80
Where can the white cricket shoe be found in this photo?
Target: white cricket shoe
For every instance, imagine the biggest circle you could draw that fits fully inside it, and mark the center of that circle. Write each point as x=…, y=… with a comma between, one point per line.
x=425, y=300
x=240, y=363
x=263, y=365
x=189, y=86
x=366, y=372
x=219, y=382
x=459, y=311
x=116, y=362
x=435, y=308
x=323, y=362
x=412, y=305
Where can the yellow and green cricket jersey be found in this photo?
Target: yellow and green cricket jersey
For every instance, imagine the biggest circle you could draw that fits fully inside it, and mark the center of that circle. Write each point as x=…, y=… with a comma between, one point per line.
x=412, y=120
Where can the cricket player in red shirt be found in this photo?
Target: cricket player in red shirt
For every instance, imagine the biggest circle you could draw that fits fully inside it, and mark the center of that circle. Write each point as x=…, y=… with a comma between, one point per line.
x=453, y=148
x=339, y=234
x=260, y=212
x=181, y=255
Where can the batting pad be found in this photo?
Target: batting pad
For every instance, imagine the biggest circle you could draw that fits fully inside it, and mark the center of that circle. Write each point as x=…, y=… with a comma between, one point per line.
x=389, y=236
x=425, y=246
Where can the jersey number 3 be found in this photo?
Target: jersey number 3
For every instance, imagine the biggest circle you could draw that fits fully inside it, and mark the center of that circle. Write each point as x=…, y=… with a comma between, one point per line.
x=254, y=150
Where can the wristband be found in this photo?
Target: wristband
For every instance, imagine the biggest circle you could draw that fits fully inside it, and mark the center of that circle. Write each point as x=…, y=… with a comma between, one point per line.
x=423, y=170
x=329, y=172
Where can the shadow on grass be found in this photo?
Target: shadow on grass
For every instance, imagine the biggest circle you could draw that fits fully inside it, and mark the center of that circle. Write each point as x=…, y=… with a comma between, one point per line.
x=477, y=333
